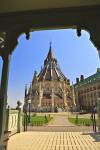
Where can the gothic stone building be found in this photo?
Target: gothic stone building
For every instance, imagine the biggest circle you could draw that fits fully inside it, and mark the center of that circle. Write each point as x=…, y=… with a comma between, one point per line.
x=50, y=89
x=87, y=91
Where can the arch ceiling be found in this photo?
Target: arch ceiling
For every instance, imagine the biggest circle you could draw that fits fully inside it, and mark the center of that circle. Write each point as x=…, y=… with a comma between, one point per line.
x=24, y=5
x=17, y=17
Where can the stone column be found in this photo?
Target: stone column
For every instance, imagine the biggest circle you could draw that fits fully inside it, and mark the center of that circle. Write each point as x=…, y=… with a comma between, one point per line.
x=7, y=118
x=10, y=41
x=52, y=99
x=77, y=100
x=40, y=94
x=65, y=95
x=3, y=96
x=98, y=111
x=73, y=95
x=65, y=99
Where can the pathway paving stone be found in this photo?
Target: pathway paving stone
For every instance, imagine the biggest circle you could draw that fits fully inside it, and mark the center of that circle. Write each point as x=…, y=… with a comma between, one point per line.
x=53, y=141
x=59, y=129
x=58, y=135
x=60, y=123
x=60, y=120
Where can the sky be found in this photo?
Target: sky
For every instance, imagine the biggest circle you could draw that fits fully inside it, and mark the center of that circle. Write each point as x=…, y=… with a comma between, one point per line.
x=76, y=56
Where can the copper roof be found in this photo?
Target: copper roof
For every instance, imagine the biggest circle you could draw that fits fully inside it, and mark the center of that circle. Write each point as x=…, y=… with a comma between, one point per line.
x=51, y=69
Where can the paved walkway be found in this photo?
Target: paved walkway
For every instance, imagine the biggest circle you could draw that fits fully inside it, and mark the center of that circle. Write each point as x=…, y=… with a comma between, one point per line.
x=60, y=123
x=60, y=120
x=60, y=129
x=58, y=135
x=53, y=141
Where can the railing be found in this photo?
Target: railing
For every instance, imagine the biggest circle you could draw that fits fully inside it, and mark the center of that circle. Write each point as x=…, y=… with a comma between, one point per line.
x=13, y=121
x=13, y=124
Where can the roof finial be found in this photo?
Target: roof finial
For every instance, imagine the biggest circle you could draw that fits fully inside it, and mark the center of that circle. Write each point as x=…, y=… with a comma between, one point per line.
x=50, y=45
x=50, y=55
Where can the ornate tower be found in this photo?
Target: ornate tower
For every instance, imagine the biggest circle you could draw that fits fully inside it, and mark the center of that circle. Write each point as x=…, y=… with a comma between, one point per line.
x=50, y=88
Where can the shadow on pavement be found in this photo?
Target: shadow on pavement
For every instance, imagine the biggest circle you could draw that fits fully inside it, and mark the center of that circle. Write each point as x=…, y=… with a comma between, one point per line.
x=94, y=135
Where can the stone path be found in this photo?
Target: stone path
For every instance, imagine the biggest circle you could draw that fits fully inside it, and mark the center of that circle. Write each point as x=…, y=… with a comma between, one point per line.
x=60, y=120
x=60, y=123
x=58, y=135
x=60, y=129
x=53, y=141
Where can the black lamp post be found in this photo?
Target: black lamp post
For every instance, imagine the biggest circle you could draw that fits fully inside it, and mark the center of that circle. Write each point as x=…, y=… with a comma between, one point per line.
x=93, y=117
x=29, y=103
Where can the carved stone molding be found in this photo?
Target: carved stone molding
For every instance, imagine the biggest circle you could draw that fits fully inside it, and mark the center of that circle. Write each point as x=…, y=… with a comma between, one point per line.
x=10, y=41
x=94, y=31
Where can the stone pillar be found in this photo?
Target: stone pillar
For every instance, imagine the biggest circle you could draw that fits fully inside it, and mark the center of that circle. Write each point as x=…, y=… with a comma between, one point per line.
x=73, y=95
x=3, y=96
x=52, y=99
x=77, y=99
x=10, y=41
x=6, y=131
x=65, y=99
x=7, y=118
x=98, y=111
x=87, y=101
x=65, y=95
x=40, y=95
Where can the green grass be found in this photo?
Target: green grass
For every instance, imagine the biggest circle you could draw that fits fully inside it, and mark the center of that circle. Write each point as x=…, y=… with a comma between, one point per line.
x=39, y=120
x=81, y=121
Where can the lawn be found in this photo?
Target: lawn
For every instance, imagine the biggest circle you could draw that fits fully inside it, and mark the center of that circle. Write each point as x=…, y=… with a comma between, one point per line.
x=39, y=120
x=81, y=121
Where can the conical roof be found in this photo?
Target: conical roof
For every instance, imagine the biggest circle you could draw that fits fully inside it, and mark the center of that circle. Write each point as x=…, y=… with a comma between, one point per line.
x=51, y=69
x=50, y=54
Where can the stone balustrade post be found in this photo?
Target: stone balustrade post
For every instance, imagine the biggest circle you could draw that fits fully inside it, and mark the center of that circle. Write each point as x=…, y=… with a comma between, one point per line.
x=19, y=124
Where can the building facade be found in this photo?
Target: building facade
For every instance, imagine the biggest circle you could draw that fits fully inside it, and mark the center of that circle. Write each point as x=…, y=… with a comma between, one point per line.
x=50, y=89
x=87, y=91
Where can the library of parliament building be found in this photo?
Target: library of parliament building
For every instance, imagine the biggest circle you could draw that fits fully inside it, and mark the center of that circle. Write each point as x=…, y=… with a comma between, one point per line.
x=51, y=90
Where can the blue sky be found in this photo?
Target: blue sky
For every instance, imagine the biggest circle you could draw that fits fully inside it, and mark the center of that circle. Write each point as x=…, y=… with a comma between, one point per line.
x=75, y=55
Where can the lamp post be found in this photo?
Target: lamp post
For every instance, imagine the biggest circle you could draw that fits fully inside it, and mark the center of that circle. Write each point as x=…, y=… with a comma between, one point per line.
x=29, y=103
x=93, y=117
